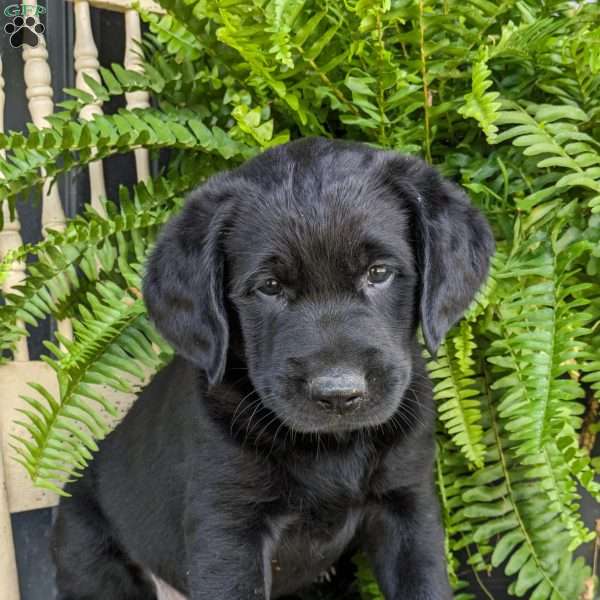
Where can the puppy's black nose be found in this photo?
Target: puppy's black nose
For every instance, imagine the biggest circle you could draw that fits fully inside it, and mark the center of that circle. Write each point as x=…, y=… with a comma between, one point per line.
x=338, y=390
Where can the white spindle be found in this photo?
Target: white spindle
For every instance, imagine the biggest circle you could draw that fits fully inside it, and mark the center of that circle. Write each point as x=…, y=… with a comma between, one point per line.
x=38, y=89
x=10, y=239
x=38, y=82
x=123, y=5
x=86, y=63
x=8, y=562
x=140, y=99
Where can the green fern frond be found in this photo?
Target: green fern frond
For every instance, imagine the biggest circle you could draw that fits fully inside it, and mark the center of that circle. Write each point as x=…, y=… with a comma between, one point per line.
x=103, y=136
x=480, y=104
x=527, y=39
x=542, y=326
x=89, y=243
x=456, y=393
x=178, y=41
x=367, y=585
x=541, y=342
x=114, y=346
x=449, y=494
x=191, y=12
x=547, y=130
x=502, y=502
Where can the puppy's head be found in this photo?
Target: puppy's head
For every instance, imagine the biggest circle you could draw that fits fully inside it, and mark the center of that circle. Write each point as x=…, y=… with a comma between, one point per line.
x=328, y=254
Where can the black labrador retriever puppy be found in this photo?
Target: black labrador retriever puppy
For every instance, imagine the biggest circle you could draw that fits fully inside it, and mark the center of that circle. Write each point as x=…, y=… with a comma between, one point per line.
x=297, y=421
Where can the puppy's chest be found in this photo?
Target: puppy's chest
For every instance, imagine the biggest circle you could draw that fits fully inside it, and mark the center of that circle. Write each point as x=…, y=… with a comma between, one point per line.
x=321, y=514
x=306, y=544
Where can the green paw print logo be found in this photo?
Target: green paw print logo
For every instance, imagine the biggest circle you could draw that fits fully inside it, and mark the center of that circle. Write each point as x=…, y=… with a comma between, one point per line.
x=24, y=30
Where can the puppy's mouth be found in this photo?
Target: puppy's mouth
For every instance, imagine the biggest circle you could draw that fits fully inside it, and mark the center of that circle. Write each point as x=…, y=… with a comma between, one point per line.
x=336, y=422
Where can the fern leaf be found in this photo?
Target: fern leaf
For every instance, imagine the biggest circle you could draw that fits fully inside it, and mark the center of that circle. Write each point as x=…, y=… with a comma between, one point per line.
x=457, y=395
x=89, y=243
x=480, y=104
x=106, y=135
x=70, y=424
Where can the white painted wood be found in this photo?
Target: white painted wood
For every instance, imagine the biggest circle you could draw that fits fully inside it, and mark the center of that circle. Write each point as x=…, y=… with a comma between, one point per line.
x=22, y=494
x=38, y=89
x=86, y=63
x=123, y=5
x=140, y=99
x=10, y=239
x=8, y=564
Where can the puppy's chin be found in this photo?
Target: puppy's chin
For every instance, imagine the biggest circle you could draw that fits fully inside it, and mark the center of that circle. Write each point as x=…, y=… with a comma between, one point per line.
x=303, y=416
x=338, y=424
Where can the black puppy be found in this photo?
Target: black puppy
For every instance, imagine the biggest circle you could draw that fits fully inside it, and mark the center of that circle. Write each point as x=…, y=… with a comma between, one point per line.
x=297, y=421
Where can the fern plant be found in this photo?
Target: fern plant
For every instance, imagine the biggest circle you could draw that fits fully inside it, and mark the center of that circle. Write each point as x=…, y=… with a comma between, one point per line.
x=503, y=97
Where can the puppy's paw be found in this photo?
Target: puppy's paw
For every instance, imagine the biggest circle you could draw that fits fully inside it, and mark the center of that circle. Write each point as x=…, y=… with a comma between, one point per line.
x=327, y=575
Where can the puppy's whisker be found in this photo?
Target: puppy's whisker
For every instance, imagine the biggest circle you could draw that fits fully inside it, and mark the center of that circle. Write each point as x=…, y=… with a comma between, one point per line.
x=252, y=427
x=254, y=404
x=415, y=401
x=411, y=410
x=235, y=416
x=410, y=414
x=237, y=413
x=421, y=377
x=282, y=424
x=249, y=424
x=416, y=407
x=274, y=418
x=267, y=414
x=399, y=420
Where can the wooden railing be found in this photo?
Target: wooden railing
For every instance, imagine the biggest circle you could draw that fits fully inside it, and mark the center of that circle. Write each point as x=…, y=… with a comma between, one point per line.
x=16, y=491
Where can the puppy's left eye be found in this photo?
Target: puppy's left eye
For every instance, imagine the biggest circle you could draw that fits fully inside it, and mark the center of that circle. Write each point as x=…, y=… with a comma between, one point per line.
x=271, y=287
x=378, y=274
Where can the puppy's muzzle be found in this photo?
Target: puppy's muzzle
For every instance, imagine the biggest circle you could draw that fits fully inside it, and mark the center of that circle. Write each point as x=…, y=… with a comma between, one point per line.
x=338, y=390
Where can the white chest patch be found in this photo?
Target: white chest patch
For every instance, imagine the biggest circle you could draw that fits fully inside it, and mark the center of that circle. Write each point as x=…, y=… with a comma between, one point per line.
x=165, y=591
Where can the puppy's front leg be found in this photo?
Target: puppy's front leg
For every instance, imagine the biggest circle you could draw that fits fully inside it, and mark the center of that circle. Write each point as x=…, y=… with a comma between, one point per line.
x=404, y=540
x=225, y=563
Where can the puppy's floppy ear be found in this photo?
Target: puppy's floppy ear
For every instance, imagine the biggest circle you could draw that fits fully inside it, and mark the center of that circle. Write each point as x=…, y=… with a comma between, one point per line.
x=454, y=244
x=183, y=286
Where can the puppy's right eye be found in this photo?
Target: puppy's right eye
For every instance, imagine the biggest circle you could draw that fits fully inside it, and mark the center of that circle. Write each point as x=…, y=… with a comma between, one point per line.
x=378, y=274
x=271, y=287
